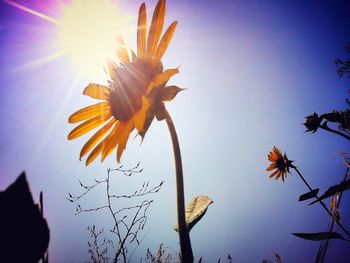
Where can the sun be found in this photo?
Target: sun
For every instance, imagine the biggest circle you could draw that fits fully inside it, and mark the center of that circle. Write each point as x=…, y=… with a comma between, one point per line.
x=88, y=33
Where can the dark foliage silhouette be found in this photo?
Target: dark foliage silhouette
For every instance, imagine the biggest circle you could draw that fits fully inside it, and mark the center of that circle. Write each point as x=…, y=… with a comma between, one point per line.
x=24, y=231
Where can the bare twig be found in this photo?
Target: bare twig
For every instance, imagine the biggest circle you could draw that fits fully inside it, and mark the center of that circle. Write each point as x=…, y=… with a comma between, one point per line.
x=127, y=221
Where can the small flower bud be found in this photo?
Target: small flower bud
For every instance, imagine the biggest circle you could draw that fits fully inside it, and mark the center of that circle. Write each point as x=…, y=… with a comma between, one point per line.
x=312, y=122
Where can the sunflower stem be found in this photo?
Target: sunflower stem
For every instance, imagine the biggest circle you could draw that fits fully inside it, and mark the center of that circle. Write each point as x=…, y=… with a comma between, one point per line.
x=185, y=242
x=321, y=202
x=325, y=127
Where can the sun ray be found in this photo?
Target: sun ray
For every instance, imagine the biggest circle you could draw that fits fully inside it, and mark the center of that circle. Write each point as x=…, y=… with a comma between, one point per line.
x=40, y=61
x=46, y=136
x=32, y=12
x=87, y=32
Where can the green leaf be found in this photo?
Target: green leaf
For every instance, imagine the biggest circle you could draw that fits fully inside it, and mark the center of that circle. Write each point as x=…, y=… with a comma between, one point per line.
x=319, y=236
x=170, y=92
x=345, y=185
x=309, y=195
x=195, y=210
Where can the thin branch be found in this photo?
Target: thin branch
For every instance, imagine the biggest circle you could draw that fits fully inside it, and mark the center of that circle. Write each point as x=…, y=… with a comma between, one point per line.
x=127, y=221
x=141, y=192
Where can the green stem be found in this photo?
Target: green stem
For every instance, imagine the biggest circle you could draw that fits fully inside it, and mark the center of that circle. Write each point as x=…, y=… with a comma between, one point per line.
x=321, y=202
x=325, y=127
x=185, y=242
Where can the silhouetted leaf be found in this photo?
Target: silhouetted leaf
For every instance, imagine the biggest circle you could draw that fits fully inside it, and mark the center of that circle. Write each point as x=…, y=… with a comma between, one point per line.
x=309, y=195
x=345, y=185
x=195, y=210
x=333, y=116
x=319, y=236
x=24, y=231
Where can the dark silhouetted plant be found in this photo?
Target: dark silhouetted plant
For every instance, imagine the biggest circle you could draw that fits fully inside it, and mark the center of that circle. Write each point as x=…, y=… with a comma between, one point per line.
x=340, y=120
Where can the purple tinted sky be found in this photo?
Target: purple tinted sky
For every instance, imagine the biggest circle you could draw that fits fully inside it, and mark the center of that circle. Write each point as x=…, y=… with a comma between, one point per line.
x=253, y=70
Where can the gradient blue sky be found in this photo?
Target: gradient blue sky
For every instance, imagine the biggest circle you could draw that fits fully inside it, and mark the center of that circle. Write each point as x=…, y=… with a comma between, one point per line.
x=253, y=70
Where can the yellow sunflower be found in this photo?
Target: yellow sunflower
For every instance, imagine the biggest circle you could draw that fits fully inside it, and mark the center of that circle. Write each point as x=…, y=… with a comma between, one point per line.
x=280, y=163
x=135, y=94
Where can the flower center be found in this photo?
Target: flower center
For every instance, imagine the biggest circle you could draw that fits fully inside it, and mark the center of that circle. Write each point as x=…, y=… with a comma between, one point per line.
x=280, y=163
x=129, y=84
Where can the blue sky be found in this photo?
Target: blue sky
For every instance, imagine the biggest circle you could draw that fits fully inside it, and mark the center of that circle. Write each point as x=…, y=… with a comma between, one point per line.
x=253, y=70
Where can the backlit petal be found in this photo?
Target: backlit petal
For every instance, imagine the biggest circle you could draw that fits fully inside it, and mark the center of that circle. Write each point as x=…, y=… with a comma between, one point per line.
x=122, y=52
x=96, y=137
x=97, y=91
x=95, y=152
x=88, y=125
x=273, y=174
x=162, y=78
x=112, y=141
x=123, y=139
x=271, y=167
x=156, y=26
x=89, y=112
x=164, y=42
x=140, y=116
x=141, y=31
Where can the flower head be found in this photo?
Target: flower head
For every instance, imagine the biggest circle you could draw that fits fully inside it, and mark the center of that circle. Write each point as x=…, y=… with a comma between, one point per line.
x=312, y=122
x=136, y=92
x=280, y=163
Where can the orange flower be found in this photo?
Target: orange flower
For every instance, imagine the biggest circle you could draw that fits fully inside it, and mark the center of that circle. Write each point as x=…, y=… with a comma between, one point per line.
x=136, y=92
x=280, y=163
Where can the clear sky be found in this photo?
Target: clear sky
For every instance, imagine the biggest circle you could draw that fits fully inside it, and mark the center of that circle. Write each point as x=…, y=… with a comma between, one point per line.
x=253, y=70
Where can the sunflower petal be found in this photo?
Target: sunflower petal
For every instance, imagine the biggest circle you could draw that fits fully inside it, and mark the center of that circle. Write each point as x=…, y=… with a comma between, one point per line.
x=271, y=167
x=156, y=26
x=88, y=125
x=278, y=174
x=96, y=137
x=162, y=78
x=140, y=116
x=123, y=139
x=122, y=52
x=89, y=112
x=112, y=141
x=164, y=42
x=141, y=31
x=95, y=152
x=97, y=91
x=277, y=151
x=101, y=147
x=147, y=124
x=272, y=157
x=111, y=67
x=273, y=174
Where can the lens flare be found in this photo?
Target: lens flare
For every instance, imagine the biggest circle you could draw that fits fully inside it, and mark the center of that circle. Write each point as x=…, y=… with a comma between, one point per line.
x=88, y=33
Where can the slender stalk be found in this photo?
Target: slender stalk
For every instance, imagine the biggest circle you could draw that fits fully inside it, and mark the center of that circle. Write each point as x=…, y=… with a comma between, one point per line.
x=185, y=242
x=321, y=202
x=323, y=252
x=325, y=127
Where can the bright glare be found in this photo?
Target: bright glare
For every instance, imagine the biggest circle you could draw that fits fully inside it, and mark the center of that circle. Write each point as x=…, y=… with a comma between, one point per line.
x=88, y=33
